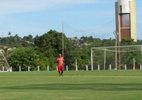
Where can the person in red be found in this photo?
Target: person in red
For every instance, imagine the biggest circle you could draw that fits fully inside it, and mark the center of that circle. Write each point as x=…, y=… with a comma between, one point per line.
x=60, y=61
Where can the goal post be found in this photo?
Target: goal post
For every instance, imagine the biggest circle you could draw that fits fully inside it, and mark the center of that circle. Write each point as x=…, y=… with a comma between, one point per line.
x=116, y=56
x=4, y=66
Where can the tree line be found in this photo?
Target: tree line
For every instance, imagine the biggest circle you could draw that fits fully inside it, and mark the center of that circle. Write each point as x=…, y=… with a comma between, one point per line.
x=43, y=50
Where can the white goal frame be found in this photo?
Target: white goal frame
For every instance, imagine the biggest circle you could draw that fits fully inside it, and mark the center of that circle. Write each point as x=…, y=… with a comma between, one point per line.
x=116, y=49
x=6, y=66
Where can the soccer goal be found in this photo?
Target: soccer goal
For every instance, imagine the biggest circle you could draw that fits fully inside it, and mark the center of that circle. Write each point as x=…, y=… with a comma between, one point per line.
x=4, y=66
x=116, y=57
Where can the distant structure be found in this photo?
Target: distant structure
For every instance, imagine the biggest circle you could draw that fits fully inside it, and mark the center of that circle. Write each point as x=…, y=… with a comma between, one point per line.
x=125, y=13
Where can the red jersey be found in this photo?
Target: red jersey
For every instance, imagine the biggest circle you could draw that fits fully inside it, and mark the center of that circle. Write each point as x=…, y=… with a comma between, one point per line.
x=60, y=61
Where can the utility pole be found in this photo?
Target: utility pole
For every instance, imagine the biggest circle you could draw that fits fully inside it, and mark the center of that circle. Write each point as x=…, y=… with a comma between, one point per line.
x=116, y=40
x=62, y=39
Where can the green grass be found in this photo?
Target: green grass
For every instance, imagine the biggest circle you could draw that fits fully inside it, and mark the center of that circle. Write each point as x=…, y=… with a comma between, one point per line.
x=80, y=85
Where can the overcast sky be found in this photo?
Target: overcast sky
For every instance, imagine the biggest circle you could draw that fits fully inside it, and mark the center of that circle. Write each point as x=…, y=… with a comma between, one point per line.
x=79, y=17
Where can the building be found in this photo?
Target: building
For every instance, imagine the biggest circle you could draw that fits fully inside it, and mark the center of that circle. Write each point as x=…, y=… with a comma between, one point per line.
x=125, y=13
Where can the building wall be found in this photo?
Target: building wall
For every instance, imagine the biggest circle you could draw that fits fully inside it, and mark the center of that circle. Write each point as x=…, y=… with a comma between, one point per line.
x=125, y=33
x=133, y=20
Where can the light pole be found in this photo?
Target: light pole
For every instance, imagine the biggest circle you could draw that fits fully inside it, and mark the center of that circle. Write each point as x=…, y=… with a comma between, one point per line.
x=63, y=39
x=116, y=40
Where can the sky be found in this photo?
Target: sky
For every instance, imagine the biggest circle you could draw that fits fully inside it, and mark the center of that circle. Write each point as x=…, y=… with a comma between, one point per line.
x=76, y=18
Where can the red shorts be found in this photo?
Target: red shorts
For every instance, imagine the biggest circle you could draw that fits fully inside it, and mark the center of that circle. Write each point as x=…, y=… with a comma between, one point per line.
x=60, y=68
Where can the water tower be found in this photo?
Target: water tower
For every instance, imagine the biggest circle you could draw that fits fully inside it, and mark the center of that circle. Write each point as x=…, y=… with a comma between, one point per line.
x=125, y=13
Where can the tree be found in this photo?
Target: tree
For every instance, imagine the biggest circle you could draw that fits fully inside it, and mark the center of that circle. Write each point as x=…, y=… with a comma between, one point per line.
x=109, y=42
x=9, y=33
x=28, y=38
x=25, y=57
x=128, y=42
x=50, y=44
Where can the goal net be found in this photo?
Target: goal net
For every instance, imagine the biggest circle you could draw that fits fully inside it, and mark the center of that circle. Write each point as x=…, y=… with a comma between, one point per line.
x=4, y=66
x=116, y=57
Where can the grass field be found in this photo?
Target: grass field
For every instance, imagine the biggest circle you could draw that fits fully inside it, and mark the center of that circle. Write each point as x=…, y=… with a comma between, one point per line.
x=74, y=85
